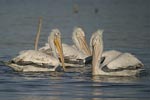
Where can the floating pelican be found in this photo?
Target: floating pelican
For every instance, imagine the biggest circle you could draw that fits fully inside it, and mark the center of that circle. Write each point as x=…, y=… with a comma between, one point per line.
x=79, y=40
x=80, y=50
x=73, y=54
x=36, y=61
x=119, y=64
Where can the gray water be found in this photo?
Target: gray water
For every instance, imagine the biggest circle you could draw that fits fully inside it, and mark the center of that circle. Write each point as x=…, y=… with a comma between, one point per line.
x=126, y=25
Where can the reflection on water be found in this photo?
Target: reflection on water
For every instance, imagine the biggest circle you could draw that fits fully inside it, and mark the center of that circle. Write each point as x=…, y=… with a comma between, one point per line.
x=115, y=79
x=126, y=24
x=57, y=85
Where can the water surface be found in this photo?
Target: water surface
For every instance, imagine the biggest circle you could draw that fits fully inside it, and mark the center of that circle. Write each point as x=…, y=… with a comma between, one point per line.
x=126, y=25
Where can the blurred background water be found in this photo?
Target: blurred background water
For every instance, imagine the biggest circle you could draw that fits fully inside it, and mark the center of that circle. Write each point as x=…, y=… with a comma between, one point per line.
x=126, y=25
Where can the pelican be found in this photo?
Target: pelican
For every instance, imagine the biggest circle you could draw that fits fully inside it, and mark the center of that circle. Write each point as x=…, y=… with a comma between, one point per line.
x=79, y=41
x=73, y=54
x=37, y=61
x=121, y=64
x=80, y=50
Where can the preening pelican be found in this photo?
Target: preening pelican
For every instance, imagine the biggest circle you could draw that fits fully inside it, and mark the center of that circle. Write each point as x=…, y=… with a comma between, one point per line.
x=36, y=61
x=120, y=64
x=73, y=54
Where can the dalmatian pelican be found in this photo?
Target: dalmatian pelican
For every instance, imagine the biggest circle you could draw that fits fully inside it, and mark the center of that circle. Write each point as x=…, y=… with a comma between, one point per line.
x=116, y=63
x=37, y=61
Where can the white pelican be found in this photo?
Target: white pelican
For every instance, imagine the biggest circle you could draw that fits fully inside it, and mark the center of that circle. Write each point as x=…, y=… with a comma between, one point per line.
x=73, y=54
x=79, y=41
x=80, y=50
x=122, y=64
x=36, y=61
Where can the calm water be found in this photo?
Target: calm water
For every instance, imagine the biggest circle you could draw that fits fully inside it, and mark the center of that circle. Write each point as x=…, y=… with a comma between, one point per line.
x=127, y=28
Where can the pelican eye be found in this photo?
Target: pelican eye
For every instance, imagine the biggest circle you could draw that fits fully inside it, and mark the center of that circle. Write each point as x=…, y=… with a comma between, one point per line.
x=96, y=40
x=79, y=33
x=57, y=34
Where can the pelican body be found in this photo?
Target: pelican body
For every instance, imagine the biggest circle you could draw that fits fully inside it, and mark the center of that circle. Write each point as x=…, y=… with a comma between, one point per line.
x=114, y=63
x=37, y=61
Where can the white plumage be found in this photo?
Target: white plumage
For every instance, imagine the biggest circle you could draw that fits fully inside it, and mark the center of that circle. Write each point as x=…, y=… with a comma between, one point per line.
x=36, y=57
x=109, y=56
x=124, y=60
x=76, y=52
x=69, y=52
x=35, y=61
x=72, y=53
x=115, y=63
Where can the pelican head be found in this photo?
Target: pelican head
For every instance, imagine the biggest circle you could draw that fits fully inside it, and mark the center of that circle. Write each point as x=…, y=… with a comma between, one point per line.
x=55, y=43
x=97, y=49
x=80, y=41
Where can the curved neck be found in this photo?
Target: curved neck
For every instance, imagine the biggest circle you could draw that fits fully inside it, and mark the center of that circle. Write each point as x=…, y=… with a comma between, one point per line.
x=76, y=42
x=96, y=66
x=52, y=47
x=97, y=54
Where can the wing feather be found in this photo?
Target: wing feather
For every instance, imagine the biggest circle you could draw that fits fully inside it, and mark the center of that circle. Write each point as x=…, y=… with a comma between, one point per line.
x=125, y=60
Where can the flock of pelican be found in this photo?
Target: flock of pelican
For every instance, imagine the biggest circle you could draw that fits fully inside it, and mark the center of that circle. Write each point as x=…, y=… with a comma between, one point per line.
x=56, y=54
x=73, y=54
